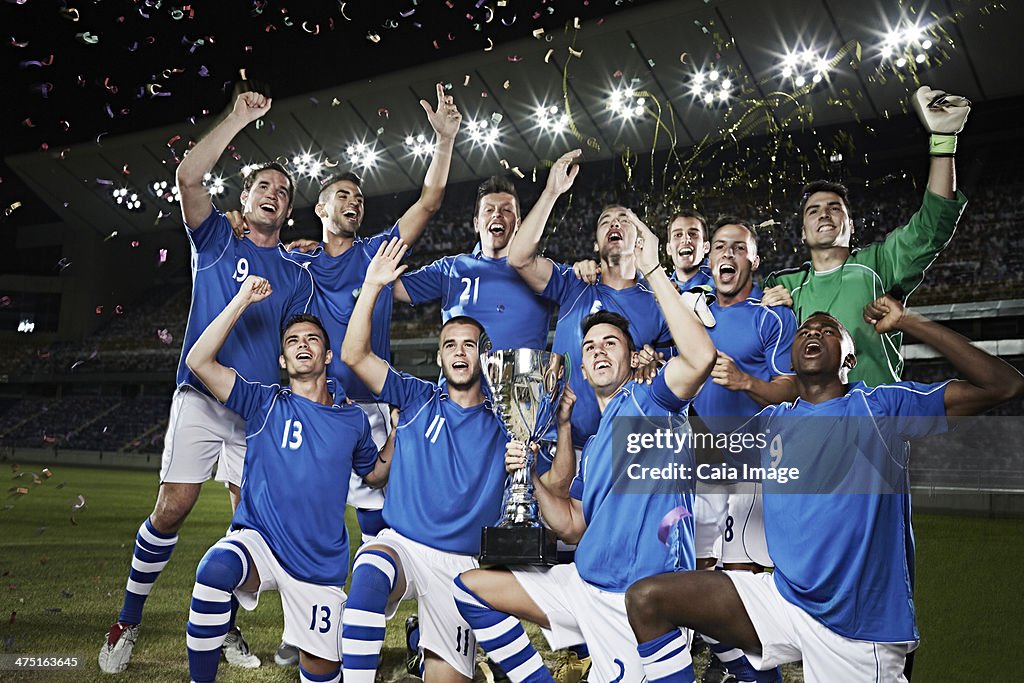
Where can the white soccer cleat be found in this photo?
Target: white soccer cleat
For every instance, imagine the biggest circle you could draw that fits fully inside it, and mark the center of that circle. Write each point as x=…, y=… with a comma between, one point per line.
x=236, y=651
x=117, y=650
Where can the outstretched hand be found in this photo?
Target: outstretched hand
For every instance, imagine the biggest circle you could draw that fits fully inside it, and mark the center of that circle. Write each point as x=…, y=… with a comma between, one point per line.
x=563, y=172
x=446, y=119
x=386, y=266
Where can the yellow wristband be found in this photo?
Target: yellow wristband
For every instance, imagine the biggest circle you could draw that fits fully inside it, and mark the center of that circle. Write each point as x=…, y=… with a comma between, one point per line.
x=942, y=145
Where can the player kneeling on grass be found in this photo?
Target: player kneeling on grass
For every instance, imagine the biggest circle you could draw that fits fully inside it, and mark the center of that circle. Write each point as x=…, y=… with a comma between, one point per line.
x=839, y=597
x=446, y=483
x=288, y=532
x=621, y=538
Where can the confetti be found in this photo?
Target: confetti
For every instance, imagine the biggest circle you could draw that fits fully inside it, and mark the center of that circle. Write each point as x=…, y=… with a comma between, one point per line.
x=162, y=256
x=673, y=517
x=110, y=236
x=70, y=13
x=514, y=58
x=87, y=38
x=547, y=57
x=79, y=504
x=164, y=336
x=373, y=37
x=63, y=264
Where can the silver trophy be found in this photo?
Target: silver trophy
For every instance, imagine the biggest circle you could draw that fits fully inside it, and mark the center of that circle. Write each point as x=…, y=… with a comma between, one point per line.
x=526, y=386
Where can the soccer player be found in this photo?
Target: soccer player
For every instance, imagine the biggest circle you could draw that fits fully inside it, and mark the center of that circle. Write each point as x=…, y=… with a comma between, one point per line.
x=841, y=281
x=687, y=246
x=202, y=434
x=753, y=344
x=621, y=288
x=839, y=598
x=446, y=483
x=482, y=285
x=288, y=532
x=619, y=536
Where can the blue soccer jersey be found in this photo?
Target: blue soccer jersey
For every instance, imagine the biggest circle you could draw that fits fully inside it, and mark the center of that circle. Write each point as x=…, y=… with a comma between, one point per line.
x=845, y=558
x=576, y=301
x=298, y=461
x=448, y=473
x=621, y=544
x=220, y=264
x=338, y=281
x=759, y=339
x=488, y=290
x=700, y=279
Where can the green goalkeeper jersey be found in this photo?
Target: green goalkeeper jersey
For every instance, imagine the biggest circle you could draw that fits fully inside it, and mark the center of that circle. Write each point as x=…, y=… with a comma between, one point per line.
x=897, y=263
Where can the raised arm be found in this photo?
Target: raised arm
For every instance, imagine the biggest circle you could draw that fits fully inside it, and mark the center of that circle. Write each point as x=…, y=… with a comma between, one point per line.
x=987, y=380
x=195, y=199
x=202, y=357
x=563, y=466
x=356, y=352
x=445, y=122
x=685, y=373
x=378, y=478
x=523, y=250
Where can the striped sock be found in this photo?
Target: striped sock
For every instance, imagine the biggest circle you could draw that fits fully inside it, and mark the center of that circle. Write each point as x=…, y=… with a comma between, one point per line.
x=152, y=550
x=363, y=622
x=222, y=569
x=666, y=659
x=738, y=665
x=307, y=677
x=501, y=636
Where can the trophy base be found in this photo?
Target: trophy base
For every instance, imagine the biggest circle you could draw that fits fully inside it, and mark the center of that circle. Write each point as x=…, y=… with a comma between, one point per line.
x=518, y=545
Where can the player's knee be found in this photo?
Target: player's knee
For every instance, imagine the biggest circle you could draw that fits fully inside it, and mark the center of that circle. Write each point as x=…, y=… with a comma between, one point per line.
x=318, y=666
x=223, y=567
x=475, y=580
x=376, y=568
x=642, y=601
x=173, y=504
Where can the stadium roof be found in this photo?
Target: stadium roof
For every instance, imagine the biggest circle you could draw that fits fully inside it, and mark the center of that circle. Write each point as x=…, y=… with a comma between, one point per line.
x=352, y=73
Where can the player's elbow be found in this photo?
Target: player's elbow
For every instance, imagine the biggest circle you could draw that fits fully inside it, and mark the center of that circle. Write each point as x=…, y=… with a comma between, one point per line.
x=351, y=355
x=187, y=178
x=1013, y=387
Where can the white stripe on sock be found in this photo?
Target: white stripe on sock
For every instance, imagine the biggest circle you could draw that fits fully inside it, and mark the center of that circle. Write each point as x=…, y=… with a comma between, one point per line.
x=210, y=594
x=204, y=619
x=522, y=671
x=156, y=540
x=359, y=617
x=139, y=588
x=656, y=670
x=505, y=651
x=484, y=635
x=359, y=675
x=356, y=646
x=728, y=655
x=204, y=644
x=668, y=647
x=148, y=567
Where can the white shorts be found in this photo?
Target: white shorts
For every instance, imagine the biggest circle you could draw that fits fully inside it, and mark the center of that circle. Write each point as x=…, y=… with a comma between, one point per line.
x=580, y=613
x=429, y=576
x=203, y=435
x=303, y=603
x=359, y=494
x=743, y=538
x=788, y=634
x=710, y=508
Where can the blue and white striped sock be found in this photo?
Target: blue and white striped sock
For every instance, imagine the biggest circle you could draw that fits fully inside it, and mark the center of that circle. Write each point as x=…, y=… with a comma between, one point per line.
x=737, y=664
x=152, y=550
x=363, y=622
x=307, y=677
x=666, y=659
x=223, y=568
x=501, y=636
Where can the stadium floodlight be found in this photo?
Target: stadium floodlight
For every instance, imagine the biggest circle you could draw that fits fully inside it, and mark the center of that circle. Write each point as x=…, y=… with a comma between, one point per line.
x=625, y=102
x=248, y=169
x=550, y=119
x=418, y=145
x=214, y=184
x=362, y=155
x=803, y=66
x=162, y=189
x=127, y=199
x=906, y=43
x=711, y=87
x=484, y=132
x=308, y=165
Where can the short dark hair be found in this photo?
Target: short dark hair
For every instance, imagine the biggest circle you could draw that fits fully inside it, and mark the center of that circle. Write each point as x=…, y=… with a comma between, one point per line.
x=337, y=178
x=495, y=185
x=305, y=318
x=845, y=333
x=824, y=186
x=691, y=213
x=728, y=219
x=609, y=318
x=250, y=179
x=462, y=320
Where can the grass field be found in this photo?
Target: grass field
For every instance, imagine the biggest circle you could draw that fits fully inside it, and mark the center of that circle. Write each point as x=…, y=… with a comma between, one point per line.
x=62, y=583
